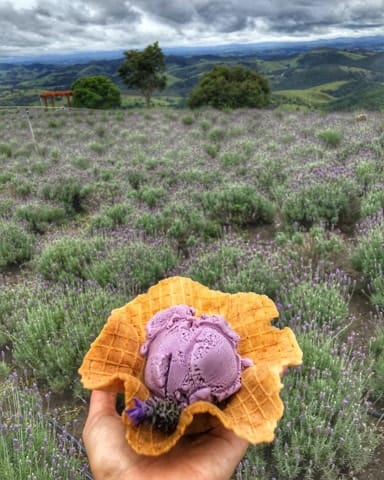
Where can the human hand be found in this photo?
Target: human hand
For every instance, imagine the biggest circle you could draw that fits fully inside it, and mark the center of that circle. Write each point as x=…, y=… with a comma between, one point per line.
x=209, y=456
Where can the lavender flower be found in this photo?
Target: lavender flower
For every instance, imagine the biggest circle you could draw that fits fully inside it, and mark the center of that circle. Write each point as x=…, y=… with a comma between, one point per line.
x=140, y=412
x=163, y=413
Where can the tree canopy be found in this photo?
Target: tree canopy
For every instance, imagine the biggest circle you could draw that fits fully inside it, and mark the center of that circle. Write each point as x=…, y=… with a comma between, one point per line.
x=96, y=92
x=144, y=70
x=230, y=87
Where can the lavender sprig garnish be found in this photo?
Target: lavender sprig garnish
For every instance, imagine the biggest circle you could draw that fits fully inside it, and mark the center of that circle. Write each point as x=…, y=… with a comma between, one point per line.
x=163, y=413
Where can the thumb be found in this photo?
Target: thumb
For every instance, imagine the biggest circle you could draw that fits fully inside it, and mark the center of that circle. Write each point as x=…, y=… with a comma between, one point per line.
x=101, y=406
x=102, y=403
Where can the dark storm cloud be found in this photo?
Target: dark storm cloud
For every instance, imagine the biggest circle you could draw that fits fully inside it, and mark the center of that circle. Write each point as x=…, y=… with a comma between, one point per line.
x=111, y=24
x=94, y=12
x=47, y=22
x=276, y=15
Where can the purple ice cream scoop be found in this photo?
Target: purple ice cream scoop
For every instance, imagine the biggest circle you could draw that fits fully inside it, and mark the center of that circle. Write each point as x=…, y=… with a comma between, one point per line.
x=191, y=358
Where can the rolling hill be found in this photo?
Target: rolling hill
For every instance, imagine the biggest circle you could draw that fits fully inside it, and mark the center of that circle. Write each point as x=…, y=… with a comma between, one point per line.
x=323, y=78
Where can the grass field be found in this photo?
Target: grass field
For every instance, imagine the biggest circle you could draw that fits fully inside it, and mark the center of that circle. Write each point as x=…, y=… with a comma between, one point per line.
x=310, y=99
x=96, y=206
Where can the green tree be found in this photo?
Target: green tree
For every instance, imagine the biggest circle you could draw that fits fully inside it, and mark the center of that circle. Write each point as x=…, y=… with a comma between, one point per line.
x=144, y=70
x=230, y=87
x=96, y=92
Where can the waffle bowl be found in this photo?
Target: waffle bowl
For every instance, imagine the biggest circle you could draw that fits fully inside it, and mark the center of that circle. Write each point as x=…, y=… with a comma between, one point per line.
x=113, y=363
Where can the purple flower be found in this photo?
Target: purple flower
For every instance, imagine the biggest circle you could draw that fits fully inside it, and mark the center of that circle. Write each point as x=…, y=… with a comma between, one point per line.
x=163, y=413
x=140, y=412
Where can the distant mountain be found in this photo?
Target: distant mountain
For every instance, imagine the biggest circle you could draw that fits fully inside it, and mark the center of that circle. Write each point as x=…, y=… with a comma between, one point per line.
x=265, y=49
x=63, y=58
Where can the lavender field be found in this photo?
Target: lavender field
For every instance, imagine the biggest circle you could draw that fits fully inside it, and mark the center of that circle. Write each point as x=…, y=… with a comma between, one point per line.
x=96, y=206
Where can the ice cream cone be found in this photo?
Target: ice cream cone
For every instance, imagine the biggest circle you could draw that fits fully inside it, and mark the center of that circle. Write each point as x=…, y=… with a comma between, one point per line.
x=114, y=362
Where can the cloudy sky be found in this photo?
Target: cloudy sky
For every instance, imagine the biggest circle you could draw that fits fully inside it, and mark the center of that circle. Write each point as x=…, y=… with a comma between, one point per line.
x=51, y=26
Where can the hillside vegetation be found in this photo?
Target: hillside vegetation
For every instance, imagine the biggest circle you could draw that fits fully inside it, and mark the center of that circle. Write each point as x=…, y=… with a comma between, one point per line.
x=97, y=206
x=296, y=80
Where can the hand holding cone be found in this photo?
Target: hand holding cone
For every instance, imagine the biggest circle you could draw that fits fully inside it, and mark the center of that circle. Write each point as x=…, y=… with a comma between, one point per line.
x=114, y=363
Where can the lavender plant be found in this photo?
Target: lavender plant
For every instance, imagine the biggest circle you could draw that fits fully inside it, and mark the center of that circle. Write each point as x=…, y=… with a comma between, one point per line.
x=134, y=266
x=325, y=432
x=110, y=217
x=334, y=202
x=52, y=331
x=376, y=348
x=312, y=304
x=331, y=138
x=368, y=258
x=32, y=444
x=213, y=268
x=6, y=208
x=238, y=205
x=39, y=217
x=70, y=192
x=109, y=176
x=5, y=150
x=373, y=202
x=182, y=223
x=16, y=245
x=68, y=259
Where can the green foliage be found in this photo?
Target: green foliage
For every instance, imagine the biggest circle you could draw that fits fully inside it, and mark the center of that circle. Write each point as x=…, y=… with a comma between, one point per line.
x=12, y=299
x=39, y=217
x=110, y=217
x=318, y=244
x=96, y=92
x=216, y=134
x=331, y=138
x=98, y=147
x=144, y=70
x=335, y=203
x=82, y=163
x=314, y=305
x=5, y=178
x=377, y=289
x=5, y=150
x=16, y=245
x=6, y=207
x=31, y=444
x=23, y=187
x=368, y=258
x=237, y=204
x=377, y=350
x=230, y=87
x=214, y=268
x=4, y=369
x=233, y=158
x=188, y=120
x=181, y=222
x=271, y=174
x=366, y=174
x=136, y=178
x=152, y=196
x=70, y=192
x=230, y=269
x=68, y=259
x=133, y=267
x=53, y=332
x=211, y=149
x=255, y=275
x=372, y=202
x=325, y=429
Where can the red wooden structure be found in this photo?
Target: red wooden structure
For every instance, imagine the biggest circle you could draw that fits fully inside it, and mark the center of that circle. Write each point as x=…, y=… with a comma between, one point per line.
x=51, y=95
